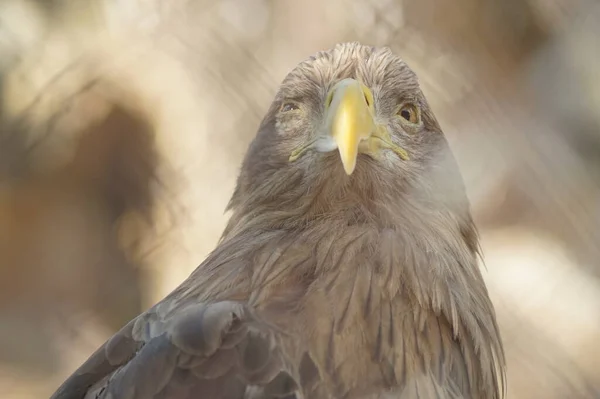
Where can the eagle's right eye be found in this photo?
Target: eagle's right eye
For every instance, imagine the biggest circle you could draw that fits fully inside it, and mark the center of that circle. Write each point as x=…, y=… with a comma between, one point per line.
x=287, y=107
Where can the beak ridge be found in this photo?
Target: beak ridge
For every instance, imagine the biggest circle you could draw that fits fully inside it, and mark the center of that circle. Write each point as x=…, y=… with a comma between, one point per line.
x=350, y=120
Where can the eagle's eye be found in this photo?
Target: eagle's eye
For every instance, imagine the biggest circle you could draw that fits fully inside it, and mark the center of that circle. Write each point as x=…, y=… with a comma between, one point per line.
x=290, y=106
x=410, y=113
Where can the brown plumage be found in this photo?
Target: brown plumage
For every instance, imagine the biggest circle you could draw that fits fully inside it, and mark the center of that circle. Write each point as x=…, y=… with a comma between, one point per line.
x=333, y=279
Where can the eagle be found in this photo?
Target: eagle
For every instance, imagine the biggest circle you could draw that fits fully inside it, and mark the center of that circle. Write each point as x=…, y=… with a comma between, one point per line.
x=349, y=267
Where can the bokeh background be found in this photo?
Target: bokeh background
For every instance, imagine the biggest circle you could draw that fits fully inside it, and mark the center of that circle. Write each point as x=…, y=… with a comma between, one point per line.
x=123, y=124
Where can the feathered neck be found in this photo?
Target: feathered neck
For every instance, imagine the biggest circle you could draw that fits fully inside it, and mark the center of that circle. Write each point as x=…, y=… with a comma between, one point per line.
x=370, y=197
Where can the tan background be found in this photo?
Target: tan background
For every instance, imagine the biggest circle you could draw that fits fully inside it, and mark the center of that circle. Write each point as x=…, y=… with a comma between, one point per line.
x=123, y=124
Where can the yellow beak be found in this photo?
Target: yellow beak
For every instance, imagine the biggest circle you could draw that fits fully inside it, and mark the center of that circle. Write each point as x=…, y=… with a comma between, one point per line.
x=350, y=119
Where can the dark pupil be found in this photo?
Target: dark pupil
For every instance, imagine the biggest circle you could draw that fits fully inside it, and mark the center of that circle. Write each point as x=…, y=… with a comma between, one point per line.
x=406, y=114
x=289, y=107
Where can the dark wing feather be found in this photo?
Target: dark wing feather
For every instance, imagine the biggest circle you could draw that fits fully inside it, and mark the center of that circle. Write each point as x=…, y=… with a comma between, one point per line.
x=218, y=350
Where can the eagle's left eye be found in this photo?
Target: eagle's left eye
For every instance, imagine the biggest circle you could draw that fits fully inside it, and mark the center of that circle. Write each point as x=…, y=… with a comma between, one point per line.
x=410, y=113
x=287, y=107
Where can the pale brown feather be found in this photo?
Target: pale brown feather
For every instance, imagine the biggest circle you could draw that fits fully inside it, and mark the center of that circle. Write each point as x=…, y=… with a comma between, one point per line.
x=324, y=285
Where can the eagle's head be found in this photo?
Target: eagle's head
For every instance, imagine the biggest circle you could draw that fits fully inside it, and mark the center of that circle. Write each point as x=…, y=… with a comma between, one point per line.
x=350, y=133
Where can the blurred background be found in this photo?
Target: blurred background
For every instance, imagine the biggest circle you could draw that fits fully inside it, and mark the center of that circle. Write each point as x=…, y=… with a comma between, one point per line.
x=123, y=124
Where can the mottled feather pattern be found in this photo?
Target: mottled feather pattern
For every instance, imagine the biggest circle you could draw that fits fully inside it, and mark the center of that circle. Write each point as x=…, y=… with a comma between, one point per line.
x=324, y=285
x=203, y=351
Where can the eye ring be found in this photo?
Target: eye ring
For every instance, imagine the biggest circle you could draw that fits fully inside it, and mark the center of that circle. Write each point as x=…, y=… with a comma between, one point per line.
x=289, y=106
x=410, y=113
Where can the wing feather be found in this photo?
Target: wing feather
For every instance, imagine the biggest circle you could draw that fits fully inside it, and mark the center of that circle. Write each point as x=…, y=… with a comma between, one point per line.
x=216, y=351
